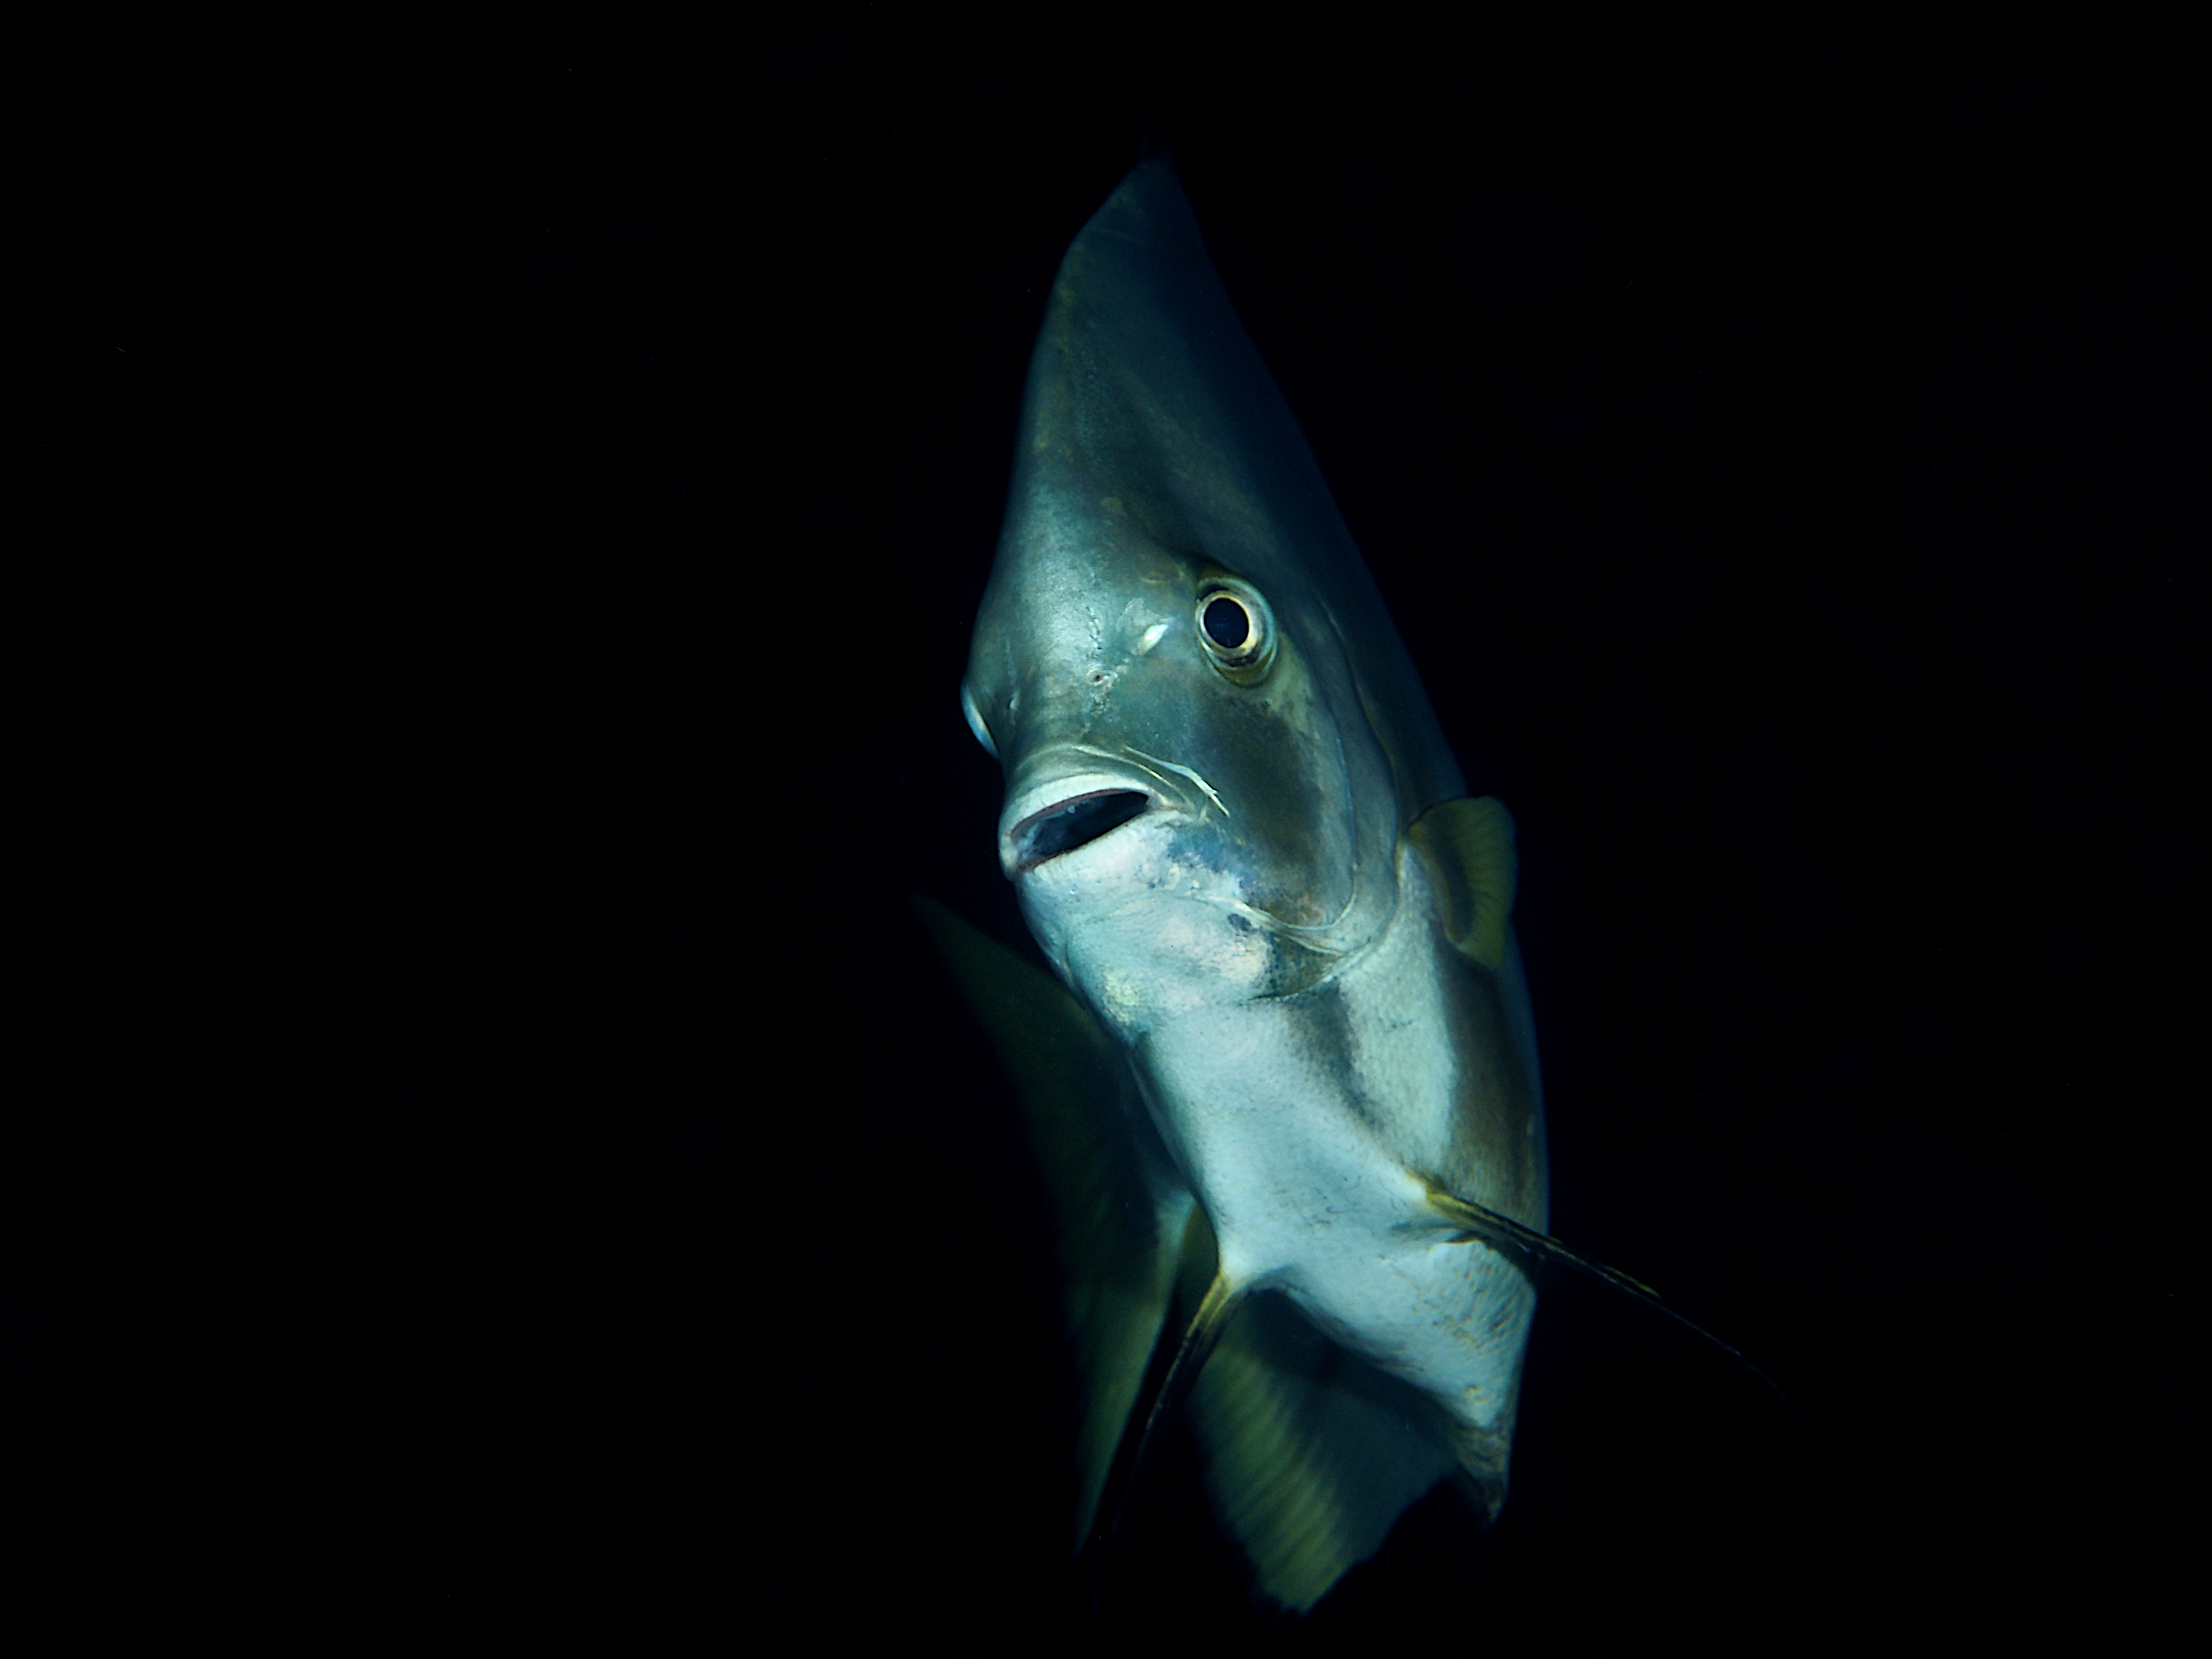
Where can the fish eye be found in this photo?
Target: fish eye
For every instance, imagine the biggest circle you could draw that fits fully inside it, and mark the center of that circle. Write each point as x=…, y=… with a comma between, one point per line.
x=1237, y=628
x=1228, y=623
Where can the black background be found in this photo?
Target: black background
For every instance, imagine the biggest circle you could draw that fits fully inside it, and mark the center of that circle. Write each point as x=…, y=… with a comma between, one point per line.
x=500, y=525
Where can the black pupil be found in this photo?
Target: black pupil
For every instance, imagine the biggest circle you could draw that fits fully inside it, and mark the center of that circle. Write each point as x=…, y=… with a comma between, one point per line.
x=1226, y=625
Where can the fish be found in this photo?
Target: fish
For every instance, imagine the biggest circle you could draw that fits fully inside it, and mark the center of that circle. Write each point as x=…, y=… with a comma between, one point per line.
x=1282, y=1078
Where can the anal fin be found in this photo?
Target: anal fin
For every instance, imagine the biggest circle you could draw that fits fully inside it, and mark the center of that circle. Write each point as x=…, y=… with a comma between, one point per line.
x=1311, y=1453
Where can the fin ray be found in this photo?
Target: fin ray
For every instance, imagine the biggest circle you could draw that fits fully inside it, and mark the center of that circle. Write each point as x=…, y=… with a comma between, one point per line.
x=1168, y=1386
x=1469, y=845
x=1527, y=1249
x=1311, y=1453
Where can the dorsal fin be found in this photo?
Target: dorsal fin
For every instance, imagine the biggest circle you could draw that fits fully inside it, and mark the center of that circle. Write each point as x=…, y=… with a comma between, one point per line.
x=1469, y=845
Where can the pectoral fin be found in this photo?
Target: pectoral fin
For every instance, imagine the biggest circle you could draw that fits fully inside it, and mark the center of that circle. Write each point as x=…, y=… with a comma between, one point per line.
x=1468, y=845
x=1122, y=1213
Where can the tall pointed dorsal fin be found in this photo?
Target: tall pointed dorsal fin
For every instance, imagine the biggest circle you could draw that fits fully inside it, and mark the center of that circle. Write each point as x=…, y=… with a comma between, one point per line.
x=1468, y=846
x=1121, y=1209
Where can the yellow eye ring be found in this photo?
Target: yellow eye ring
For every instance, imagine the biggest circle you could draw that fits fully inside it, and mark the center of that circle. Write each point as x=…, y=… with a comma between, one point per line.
x=1237, y=628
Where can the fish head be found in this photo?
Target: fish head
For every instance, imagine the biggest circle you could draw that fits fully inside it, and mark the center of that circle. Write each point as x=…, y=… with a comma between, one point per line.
x=1167, y=660
x=1180, y=819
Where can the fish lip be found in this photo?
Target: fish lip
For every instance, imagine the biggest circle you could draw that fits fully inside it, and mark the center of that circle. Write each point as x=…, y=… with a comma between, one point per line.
x=1041, y=801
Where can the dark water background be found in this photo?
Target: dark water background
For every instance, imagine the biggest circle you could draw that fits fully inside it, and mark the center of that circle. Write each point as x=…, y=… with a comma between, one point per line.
x=499, y=521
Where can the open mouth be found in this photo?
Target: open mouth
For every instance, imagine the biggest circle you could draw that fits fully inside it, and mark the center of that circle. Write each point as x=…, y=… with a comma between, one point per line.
x=1075, y=821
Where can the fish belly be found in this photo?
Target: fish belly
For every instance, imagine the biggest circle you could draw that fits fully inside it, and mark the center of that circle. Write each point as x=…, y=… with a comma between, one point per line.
x=1308, y=1124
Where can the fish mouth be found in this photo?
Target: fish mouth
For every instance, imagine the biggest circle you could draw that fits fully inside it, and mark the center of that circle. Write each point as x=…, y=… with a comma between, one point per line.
x=1074, y=821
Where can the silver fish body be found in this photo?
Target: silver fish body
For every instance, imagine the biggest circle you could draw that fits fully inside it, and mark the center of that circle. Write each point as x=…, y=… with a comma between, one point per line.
x=1238, y=836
